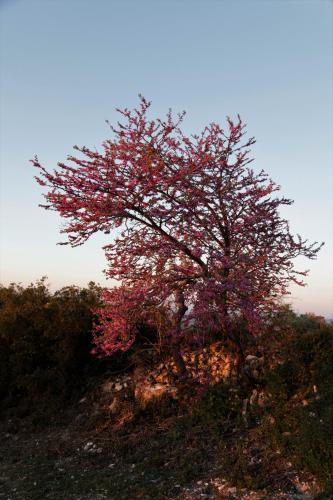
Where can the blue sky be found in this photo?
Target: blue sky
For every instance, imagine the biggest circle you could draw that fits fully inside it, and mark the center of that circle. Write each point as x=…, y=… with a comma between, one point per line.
x=65, y=66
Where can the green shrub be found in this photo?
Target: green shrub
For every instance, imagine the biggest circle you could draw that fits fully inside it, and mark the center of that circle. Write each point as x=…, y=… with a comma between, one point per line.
x=327, y=491
x=45, y=341
x=301, y=402
x=220, y=407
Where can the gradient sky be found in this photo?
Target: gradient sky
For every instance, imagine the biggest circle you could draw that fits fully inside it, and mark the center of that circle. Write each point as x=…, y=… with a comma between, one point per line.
x=66, y=64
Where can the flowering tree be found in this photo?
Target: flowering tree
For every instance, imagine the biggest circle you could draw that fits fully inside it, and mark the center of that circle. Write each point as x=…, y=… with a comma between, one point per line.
x=196, y=229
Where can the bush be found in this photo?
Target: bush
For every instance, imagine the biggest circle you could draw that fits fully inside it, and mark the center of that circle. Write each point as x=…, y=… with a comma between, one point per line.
x=301, y=389
x=45, y=341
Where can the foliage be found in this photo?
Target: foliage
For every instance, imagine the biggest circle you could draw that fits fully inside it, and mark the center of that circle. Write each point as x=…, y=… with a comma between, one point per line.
x=219, y=407
x=327, y=491
x=45, y=340
x=301, y=394
x=197, y=230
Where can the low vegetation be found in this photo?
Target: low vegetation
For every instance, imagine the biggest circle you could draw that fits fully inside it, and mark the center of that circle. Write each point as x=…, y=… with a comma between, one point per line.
x=61, y=438
x=45, y=343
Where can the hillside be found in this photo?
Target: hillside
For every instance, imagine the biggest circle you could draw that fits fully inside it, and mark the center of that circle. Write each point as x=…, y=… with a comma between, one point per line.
x=128, y=427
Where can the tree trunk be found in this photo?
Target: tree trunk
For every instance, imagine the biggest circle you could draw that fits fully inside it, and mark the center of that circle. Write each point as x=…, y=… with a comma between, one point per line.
x=181, y=309
x=235, y=343
x=229, y=329
x=179, y=361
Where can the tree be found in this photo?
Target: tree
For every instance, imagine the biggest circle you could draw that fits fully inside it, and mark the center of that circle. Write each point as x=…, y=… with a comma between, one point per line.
x=197, y=229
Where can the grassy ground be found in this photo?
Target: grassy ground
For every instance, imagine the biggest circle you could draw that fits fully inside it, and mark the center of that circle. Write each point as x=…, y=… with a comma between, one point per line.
x=208, y=453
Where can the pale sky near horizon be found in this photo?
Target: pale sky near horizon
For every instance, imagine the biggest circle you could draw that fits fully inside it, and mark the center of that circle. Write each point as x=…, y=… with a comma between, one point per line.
x=67, y=64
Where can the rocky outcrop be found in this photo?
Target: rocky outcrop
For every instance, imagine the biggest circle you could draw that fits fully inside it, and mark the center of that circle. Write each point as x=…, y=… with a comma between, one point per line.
x=123, y=394
x=212, y=363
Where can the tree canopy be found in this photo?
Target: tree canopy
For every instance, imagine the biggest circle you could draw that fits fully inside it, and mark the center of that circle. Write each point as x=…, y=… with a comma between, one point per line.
x=194, y=227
